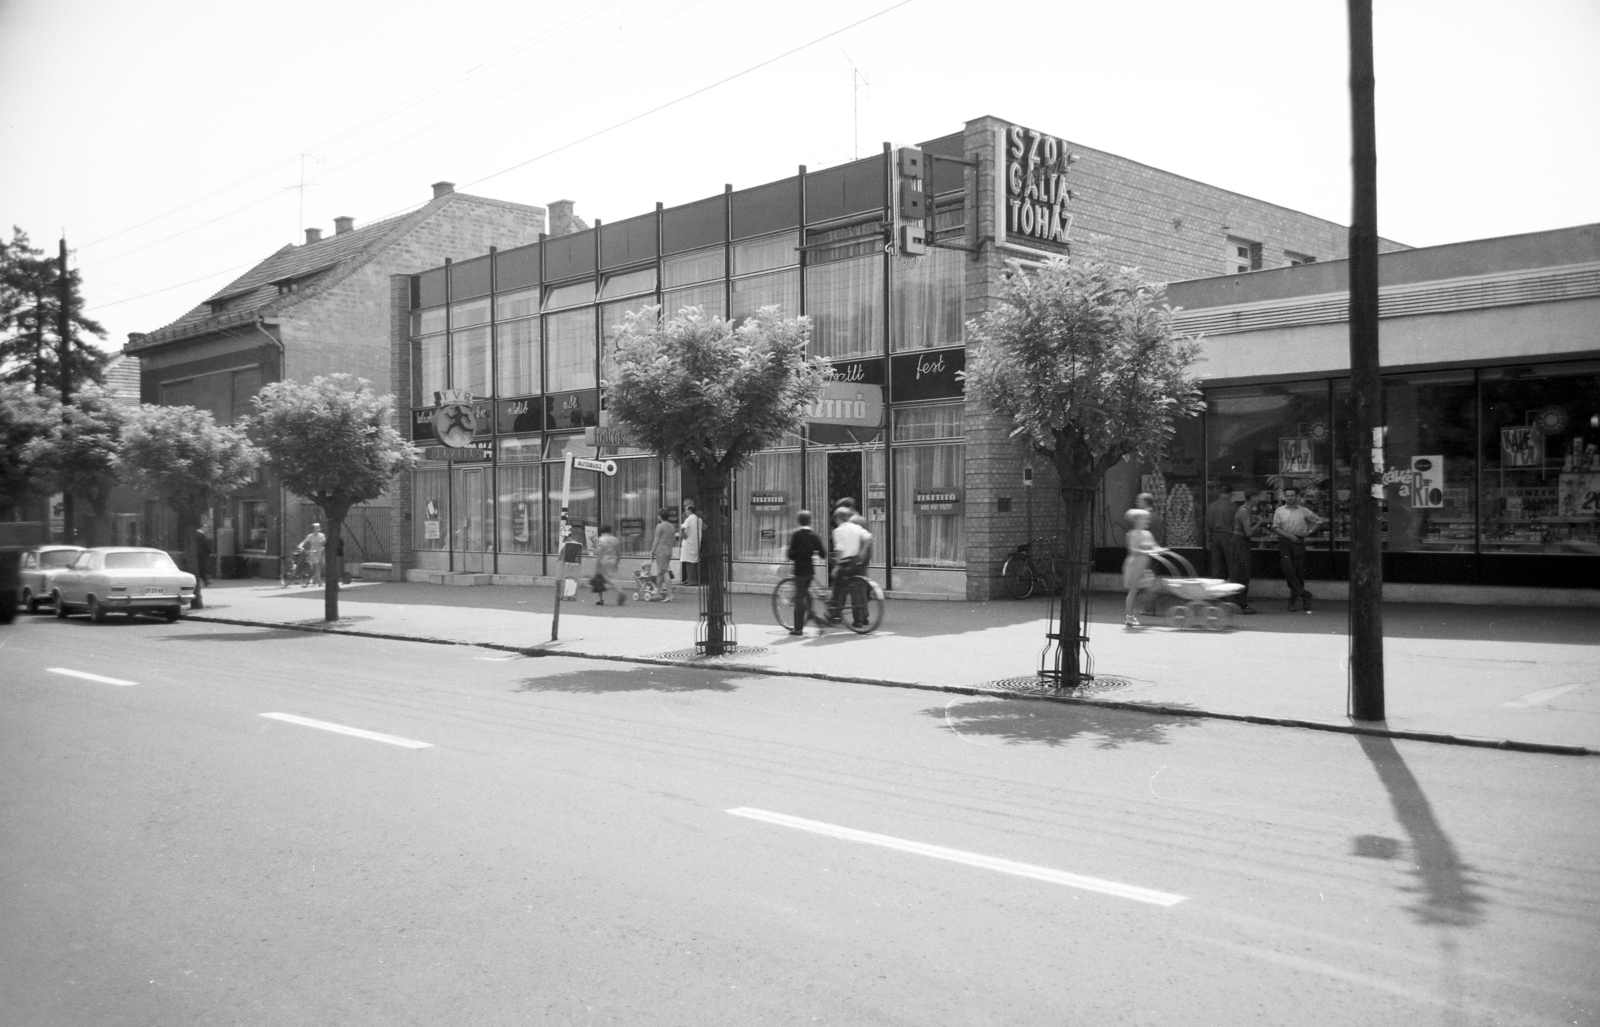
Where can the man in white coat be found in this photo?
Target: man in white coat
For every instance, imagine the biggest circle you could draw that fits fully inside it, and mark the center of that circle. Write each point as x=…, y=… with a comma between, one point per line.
x=690, y=531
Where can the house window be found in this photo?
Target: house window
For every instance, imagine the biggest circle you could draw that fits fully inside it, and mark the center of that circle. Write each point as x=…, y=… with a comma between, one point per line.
x=1296, y=259
x=1241, y=255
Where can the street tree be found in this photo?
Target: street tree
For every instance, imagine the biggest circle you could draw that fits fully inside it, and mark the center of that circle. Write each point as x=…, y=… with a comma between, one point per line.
x=332, y=442
x=1081, y=357
x=78, y=456
x=32, y=345
x=709, y=394
x=182, y=456
x=25, y=418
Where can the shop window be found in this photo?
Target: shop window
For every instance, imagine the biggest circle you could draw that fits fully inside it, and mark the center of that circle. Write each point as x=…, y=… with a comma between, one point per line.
x=517, y=357
x=511, y=305
x=692, y=268
x=253, y=530
x=1540, y=441
x=766, y=253
x=927, y=300
x=521, y=495
x=583, y=504
x=923, y=424
x=1267, y=437
x=569, y=343
x=781, y=290
x=929, y=500
x=469, y=361
x=709, y=299
x=430, y=507
x=766, y=499
x=472, y=509
x=428, y=322
x=629, y=501
x=465, y=315
x=428, y=369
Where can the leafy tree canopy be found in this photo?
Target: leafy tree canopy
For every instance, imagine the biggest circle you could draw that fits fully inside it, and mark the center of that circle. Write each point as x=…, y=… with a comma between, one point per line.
x=331, y=440
x=25, y=418
x=1081, y=357
x=182, y=455
x=708, y=394
x=79, y=453
x=30, y=308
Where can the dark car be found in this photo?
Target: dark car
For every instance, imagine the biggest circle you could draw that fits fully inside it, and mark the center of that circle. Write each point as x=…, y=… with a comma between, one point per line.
x=39, y=564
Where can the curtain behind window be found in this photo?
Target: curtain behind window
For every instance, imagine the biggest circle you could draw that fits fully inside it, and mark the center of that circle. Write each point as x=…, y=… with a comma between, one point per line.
x=569, y=340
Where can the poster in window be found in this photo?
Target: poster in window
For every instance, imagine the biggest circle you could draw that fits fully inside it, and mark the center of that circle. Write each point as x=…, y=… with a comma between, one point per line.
x=1521, y=447
x=1580, y=495
x=430, y=530
x=1427, y=482
x=1296, y=456
x=519, y=522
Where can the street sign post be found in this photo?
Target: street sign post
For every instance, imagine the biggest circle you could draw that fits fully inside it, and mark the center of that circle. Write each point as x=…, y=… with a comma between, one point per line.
x=605, y=467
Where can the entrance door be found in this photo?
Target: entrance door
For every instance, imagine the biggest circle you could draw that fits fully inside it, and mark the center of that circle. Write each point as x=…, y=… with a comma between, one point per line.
x=844, y=481
x=470, y=536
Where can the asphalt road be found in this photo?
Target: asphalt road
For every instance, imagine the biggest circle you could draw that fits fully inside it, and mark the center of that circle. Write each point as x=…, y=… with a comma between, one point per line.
x=566, y=841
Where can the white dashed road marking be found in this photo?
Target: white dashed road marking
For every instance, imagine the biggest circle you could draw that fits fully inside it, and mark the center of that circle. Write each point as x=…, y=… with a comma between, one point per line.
x=375, y=736
x=1004, y=866
x=89, y=677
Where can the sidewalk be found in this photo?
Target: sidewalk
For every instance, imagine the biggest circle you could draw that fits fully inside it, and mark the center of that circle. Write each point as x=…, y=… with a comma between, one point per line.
x=1474, y=673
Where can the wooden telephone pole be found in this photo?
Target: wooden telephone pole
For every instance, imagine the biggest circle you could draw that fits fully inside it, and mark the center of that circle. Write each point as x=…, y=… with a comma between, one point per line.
x=69, y=529
x=1366, y=497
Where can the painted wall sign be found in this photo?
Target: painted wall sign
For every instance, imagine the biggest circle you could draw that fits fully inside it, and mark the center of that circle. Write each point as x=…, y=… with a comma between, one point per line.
x=937, y=501
x=848, y=403
x=572, y=410
x=455, y=421
x=610, y=436
x=769, y=501
x=520, y=415
x=929, y=374
x=864, y=372
x=1036, y=193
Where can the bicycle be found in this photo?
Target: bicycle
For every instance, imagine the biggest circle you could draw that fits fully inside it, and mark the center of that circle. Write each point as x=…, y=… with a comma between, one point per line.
x=861, y=592
x=299, y=567
x=1023, y=573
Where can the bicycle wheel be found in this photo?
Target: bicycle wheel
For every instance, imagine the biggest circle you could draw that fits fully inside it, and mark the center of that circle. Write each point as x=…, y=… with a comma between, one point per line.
x=783, y=603
x=1019, y=576
x=862, y=592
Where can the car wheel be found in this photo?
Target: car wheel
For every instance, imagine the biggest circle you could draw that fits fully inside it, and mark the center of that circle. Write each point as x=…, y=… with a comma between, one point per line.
x=61, y=605
x=172, y=614
x=30, y=602
x=97, y=613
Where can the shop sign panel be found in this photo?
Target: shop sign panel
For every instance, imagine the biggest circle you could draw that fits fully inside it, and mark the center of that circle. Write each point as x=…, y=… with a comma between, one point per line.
x=422, y=425
x=455, y=419
x=515, y=416
x=937, y=501
x=769, y=501
x=864, y=372
x=848, y=403
x=474, y=453
x=928, y=375
x=633, y=527
x=1036, y=194
x=610, y=436
x=572, y=410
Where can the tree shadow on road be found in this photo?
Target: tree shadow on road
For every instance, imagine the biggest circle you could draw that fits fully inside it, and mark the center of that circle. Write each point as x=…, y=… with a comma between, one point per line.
x=1448, y=896
x=1018, y=721
x=605, y=680
x=260, y=635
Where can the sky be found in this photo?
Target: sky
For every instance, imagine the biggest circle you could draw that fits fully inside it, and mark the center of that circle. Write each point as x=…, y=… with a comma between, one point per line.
x=176, y=143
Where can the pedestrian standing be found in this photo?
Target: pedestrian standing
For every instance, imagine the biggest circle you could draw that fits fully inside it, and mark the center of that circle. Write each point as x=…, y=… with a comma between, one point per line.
x=1158, y=524
x=315, y=546
x=661, y=551
x=690, y=554
x=1136, y=573
x=1293, y=523
x=1219, y=531
x=1245, y=526
x=607, y=560
x=851, y=549
x=202, y=557
x=805, y=548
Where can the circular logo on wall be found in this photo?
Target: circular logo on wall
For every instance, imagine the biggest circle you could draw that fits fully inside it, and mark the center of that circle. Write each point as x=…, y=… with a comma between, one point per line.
x=456, y=420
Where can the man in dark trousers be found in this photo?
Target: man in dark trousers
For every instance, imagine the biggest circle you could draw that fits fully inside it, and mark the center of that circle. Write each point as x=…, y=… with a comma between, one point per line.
x=804, y=548
x=202, y=557
x=1219, y=530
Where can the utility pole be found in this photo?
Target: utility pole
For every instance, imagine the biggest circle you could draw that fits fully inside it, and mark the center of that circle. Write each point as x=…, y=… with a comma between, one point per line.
x=69, y=531
x=1366, y=497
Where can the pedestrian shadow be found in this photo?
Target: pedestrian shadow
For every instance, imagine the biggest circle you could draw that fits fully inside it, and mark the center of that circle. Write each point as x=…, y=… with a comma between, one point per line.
x=1447, y=894
x=642, y=678
x=1019, y=722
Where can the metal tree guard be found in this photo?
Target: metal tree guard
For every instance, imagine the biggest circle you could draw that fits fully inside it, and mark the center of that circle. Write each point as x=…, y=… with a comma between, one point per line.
x=714, y=605
x=1064, y=662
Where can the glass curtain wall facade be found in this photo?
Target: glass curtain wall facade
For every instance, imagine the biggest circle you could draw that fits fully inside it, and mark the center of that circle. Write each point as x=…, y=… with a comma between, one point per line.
x=1492, y=474
x=529, y=333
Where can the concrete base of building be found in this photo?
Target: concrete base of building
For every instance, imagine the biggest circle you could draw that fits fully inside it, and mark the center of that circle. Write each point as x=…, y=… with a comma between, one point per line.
x=427, y=577
x=1397, y=592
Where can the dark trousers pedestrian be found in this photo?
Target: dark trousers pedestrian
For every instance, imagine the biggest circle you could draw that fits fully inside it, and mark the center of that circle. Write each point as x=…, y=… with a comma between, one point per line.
x=844, y=577
x=1219, y=554
x=1239, y=567
x=1292, y=557
x=802, y=602
x=691, y=572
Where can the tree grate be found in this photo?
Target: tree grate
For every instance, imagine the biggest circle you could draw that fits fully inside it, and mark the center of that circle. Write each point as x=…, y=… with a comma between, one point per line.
x=698, y=656
x=1041, y=686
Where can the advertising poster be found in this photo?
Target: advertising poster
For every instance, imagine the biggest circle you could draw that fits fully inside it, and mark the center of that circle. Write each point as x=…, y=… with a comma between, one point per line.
x=1521, y=447
x=1427, y=482
x=1580, y=495
x=1296, y=456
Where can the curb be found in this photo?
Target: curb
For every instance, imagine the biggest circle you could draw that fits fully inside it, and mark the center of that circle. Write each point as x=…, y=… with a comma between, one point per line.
x=1373, y=730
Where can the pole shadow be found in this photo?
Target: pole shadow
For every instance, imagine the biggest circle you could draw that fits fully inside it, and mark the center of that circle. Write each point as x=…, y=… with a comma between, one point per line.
x=1022, y=722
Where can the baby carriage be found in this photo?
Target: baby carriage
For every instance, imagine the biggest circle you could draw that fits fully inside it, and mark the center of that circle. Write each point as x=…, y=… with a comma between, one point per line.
x=647, y=583
x=1203, y=602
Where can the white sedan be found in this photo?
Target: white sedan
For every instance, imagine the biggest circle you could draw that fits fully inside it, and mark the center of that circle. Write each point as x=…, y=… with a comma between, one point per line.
x=123, y=579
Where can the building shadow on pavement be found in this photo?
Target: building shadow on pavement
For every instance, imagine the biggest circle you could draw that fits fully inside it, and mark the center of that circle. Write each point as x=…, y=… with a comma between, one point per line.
x=1019, y=722
x=1447, y=894
x=609, y=680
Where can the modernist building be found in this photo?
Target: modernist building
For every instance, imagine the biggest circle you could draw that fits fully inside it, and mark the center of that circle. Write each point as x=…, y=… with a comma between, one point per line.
x=1491, y=397
x=317, y=308
x=523, y=332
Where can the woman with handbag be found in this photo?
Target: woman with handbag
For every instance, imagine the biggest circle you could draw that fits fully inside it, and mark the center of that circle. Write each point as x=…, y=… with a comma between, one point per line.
x=607, y=559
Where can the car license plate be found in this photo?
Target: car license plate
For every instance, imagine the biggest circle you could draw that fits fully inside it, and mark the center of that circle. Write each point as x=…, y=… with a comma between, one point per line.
x=154, y=590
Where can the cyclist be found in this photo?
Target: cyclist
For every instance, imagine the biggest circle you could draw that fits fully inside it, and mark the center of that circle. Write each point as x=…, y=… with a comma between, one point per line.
x=851, y=544
x=804, y=547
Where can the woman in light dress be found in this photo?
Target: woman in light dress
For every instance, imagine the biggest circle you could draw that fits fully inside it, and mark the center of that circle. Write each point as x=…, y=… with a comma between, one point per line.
x=1136, y=573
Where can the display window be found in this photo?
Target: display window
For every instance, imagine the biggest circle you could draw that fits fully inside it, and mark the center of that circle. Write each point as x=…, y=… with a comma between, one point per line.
x=430, y=507
x=521, y=494
x=929, y=486
x=629, y=502
x=1540, y=440
x=472, y=509
x=583, y=501
x=253, y=522
x=766, y=499
x=1261, y=437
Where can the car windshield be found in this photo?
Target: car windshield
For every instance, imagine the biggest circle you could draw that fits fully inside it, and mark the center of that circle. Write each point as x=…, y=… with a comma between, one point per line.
x=57, y=558
x=139, y=562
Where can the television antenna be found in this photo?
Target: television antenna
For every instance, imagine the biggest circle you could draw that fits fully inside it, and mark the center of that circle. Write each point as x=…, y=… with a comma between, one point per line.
x=857, y=80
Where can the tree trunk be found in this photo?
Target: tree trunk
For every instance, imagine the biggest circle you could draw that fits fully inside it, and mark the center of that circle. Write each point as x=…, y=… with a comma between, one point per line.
x=713, y=567
x=1065, y=660
x=188, y=524
x=331, y=572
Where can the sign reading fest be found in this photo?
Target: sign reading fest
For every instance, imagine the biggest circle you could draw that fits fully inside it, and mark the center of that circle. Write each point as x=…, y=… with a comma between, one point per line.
x=1036, y=194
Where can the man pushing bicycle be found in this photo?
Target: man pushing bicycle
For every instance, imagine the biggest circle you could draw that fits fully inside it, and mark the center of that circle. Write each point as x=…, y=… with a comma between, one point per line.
x=852, y=547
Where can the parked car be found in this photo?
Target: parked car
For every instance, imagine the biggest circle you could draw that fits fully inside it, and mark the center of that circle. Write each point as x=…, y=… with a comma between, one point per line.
x=125, y=579
x=40, y=564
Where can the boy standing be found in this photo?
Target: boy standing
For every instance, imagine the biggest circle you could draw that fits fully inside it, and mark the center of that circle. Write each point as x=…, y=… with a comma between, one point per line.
x=804, y=548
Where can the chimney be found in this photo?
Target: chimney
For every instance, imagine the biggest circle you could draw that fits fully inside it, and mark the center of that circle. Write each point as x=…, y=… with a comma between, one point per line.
x=343, y=225
x=443, y=189
x=562, y=220
x=313, y=235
